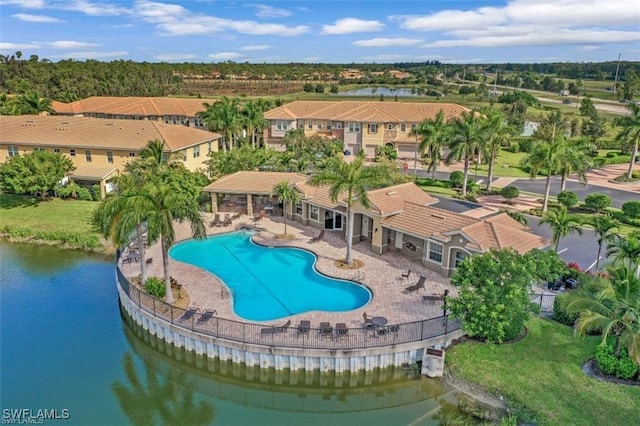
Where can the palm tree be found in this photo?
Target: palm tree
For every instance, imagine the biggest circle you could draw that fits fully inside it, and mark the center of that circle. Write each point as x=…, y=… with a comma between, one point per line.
x=613, y=309
x=499, y=133
x=349, y=181
x=154, y=156
x=223, y=116
x=626, y=250
x=286, y=193
x=465, y=138
x=575, y=158
x=561, y=224
x=545, y=155
x=32, y=103
x=433, y=133
x=630, y=132
x=604, y=227
x=164, y=204
x=253, y=119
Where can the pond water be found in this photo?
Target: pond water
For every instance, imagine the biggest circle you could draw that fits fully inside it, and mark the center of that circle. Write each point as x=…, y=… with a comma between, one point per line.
x=65, y=346
x=385, y=91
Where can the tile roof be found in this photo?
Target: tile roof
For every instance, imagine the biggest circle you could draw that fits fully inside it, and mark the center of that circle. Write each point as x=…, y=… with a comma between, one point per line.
x=252, y=182
x=92, y=172
x=498, y=232
x=319, y=195
x=392, y=199
x=86, y=132
x=361, y=111
x=134, y=105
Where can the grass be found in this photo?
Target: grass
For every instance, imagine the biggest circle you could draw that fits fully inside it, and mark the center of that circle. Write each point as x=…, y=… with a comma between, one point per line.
x=507, y=165
x=541, y=377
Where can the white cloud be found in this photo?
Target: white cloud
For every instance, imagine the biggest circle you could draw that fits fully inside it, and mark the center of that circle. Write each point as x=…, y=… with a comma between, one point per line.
x=589, y=48
x=264, y=11
x=389, y=58
x=92, y=55
x=25, y=4
x=18, y=46
x=225, y=56
x=93, y=9
x=175, y=57
x=68, y=44
x=257, y=47
x=35, y=18
x=388, y=42
x=352, y=25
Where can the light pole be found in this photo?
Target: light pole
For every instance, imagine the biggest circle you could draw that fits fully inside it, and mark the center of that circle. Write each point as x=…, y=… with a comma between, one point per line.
x=615, y=81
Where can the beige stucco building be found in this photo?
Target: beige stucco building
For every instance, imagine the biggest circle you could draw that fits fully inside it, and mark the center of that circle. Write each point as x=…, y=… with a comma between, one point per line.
x=100, y=148
x=360, y=125
x=399, y=218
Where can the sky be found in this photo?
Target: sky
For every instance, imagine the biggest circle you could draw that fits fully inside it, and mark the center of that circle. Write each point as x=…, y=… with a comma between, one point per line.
x=323, y=31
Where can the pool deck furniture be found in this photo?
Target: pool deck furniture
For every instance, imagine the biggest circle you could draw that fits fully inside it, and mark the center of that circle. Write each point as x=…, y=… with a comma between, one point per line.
x=341, y=329
x=407, y=274
x=131, y=256
x=326, y=330
x=379, y=325
x=304, y=327
x=317, y=238
x=276, y=329
x=189, y=313
x=418, y=285
x=207, y=315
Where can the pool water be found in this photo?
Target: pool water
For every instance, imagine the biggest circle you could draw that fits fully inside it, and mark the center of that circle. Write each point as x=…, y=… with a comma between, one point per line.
x=270, y=283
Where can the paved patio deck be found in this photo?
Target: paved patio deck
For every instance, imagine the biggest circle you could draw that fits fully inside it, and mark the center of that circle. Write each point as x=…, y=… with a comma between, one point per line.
x=382, y=274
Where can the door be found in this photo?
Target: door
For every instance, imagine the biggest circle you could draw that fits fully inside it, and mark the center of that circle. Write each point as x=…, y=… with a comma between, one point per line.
x=365, y=227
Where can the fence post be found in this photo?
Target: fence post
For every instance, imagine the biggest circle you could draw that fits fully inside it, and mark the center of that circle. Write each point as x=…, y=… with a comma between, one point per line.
x=446, y=324
x=541, y=296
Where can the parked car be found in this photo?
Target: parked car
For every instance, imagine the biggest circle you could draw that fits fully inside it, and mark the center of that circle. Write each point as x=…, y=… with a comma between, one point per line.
x=566, y=101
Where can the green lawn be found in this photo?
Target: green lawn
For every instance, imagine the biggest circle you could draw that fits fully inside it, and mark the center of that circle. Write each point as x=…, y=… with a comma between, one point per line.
x=541, y=376
x=507, y=165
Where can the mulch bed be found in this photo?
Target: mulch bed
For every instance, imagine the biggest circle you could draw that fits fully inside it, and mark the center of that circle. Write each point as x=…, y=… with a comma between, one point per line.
x=356, y=264
x=590, y=368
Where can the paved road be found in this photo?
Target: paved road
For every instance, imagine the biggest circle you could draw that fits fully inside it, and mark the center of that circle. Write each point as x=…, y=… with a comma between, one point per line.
x=600, y=105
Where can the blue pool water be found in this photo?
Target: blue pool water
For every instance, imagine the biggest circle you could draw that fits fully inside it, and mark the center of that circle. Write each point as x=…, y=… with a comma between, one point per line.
x=270, y=283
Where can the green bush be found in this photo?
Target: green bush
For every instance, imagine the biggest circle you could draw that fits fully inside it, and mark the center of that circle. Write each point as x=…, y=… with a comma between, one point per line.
x=560, y=313
x=155, y=287
x=386, y=152
x=568, y=198
x=608, y=144
x=526, y=144
x=510, y=192
x=96, y=193
x=631, y=209
x=618, y=159
x=514, y=147
x=626, y=368
x=605, y=359
x=456, y=178
x=597, y=201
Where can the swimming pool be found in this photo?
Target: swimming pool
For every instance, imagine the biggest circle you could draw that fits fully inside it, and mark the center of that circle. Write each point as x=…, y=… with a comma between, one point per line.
x=270, y=283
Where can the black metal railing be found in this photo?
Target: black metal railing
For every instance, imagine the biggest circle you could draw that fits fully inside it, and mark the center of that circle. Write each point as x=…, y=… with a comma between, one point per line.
x=291, y=336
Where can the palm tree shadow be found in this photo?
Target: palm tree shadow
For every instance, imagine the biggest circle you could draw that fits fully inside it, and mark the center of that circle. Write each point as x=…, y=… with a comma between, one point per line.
x=157, y=400
x=10, y=201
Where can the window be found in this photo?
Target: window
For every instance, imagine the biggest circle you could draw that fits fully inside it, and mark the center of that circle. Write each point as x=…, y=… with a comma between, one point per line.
x=13, y=151
x=460, y=256
x=339, y=125
x=132, y=154
x=353, y=128
x=39, y=149
x=299, y=209
x=390, y=126
x=403, y=128
x=109, y=157
x=197, y=122
x=196, y=151
x=56, y=150
x=87, y=155
x=319, y=125
x=72, y=152
x=413, y=127
x=329, y=125
x=309, y=124
x=314, y=213
x=373, y=128
x=435, y=252
x=281, y=125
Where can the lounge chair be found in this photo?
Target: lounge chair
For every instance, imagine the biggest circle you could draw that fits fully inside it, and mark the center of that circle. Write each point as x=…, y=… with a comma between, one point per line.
x=325, y=329
x=149, y=261
x=407, y=274
x=417, y=286
x=207, y=315
x=189, y=313
x=304, y=327
x=276, y=329
x=394, y=328
x=318, y=238
x=367, y=321
x=132, y=256
x=341, y=329
x=435, y=297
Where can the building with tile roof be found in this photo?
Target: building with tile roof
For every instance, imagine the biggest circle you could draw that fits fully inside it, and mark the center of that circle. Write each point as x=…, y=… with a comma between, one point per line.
x=98, y=146
x=399, y=218
x=163, y=109
x=360, y=125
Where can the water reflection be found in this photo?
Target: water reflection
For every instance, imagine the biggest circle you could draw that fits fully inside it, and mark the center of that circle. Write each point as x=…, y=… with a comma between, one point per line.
x=384, y=91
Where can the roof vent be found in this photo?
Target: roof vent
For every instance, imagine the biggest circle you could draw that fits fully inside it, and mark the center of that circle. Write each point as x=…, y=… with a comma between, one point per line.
x=108, y=124
x=30, y=121
x=392, y=192
x=64, y=122
x=438, y=216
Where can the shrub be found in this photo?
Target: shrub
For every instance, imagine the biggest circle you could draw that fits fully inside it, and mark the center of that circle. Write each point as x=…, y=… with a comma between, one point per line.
x=456, y=178
x=568, y=198
x=514, y=147
x=597, y=202
x=626, y=368
x=386, y=152
x=510, y=192
x=96, y=193
x=526, y=144
x=605, y=359
x=155, y=287
x=631, y=209
x=560, y=313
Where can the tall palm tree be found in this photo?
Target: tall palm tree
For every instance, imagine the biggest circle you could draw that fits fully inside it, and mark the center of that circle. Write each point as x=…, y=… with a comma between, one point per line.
x=466, y=137
x=626, y=249
x=253, y=119
x=499, y=133
x=348, y=182
x=561, y=224
x=613, y=310
x=165, y=204
x=433, y=136
x=630, y=132
x=604, y=227
x=224, y=117
x=286, y=194
x=155, y=156
x=32, y=103
x=575, y=158
x=545, y=155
